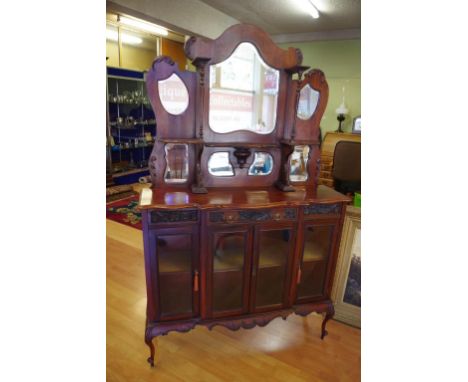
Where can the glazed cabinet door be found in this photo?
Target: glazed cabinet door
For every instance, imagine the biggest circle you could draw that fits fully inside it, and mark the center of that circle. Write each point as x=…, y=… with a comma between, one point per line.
x=274, y=248
x=177, y=272
x=313, y=270
x=229, y=269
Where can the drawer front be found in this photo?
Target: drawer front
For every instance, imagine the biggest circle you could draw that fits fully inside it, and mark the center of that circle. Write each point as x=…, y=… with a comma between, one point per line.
x=322, y=209
x=245, y=216
x=179, y=216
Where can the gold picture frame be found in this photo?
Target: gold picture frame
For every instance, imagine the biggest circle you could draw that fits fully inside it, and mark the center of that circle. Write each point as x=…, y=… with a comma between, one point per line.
x=346, y=292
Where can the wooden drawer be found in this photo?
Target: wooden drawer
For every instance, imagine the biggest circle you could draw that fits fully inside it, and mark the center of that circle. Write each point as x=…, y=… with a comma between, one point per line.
x=246, y=216
x=179, y=216
x=315, y=210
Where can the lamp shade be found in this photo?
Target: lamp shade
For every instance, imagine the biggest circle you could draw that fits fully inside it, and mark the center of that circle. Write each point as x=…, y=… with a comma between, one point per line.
x=342, y=109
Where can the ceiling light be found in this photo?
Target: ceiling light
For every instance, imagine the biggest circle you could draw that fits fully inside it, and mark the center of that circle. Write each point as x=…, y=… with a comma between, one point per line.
x=126, y=38
x=310, y=8
x=151, y=28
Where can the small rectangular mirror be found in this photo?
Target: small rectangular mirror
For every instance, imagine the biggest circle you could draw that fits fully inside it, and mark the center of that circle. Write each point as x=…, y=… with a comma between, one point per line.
x=176, y=163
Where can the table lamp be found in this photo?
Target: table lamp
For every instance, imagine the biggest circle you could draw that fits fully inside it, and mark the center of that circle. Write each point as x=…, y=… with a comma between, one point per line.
x=341, y=111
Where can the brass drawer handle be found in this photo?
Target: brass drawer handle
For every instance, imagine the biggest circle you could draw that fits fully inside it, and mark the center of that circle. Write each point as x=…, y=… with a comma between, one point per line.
x=229, y=217
x=277, y=216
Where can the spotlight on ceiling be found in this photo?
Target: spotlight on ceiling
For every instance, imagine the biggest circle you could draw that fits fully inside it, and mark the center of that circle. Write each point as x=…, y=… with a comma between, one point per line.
x=309, y=7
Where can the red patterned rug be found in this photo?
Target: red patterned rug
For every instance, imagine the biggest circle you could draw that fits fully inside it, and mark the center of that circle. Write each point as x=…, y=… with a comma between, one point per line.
x=124, y=211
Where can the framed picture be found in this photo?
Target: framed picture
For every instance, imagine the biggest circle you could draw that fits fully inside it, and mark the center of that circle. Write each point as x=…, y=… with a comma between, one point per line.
x=346, y=293
x=356, y=125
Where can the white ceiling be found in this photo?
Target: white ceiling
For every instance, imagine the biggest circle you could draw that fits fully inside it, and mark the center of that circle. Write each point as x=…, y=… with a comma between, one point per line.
x=284, y=17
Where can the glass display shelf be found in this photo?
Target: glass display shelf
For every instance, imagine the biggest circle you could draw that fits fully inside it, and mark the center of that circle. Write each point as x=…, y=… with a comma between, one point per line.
x=174, y=261
x=227, y=290
x=312, y=279
x=136, y=123
x=118, y=173
x=314, y=252
x=129, y=113
x=274, y=248
x=228, y=260
x=117, y=148
x=317, y=243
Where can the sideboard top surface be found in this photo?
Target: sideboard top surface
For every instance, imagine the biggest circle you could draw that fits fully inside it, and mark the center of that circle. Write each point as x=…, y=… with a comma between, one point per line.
x=176, y=198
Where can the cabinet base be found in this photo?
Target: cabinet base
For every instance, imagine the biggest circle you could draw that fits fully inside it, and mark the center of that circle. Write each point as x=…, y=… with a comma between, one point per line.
x=235, y=323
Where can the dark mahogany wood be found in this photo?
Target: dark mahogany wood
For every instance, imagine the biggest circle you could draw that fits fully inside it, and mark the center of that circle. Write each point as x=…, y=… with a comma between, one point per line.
x=308, y=130
x=230, y=250
x=170, y=125
x=283, y=182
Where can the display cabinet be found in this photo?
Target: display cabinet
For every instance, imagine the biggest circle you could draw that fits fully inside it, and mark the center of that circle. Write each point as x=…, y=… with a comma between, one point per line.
x=236, y=231
x=131, y=125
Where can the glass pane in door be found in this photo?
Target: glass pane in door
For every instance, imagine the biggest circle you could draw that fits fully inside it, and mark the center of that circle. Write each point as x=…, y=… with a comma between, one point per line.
x=317, y=242
x=228, y=270
x=174, y=254
x=274, y=247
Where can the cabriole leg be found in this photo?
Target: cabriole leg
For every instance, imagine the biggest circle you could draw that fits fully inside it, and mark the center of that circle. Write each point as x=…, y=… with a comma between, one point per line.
x=149, y=342
x=330, y=313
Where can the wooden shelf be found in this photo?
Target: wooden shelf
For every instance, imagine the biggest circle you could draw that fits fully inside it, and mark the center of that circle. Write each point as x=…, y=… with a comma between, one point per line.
x=180, y=140
x=228, y=260
x=242, y=144
x=299, y=142
x=297, y=69
x=270, y=256
x=129, y=172
x=315, y=252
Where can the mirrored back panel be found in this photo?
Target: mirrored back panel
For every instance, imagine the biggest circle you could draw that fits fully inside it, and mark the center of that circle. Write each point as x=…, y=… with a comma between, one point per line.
x=261, y=165
x=219, y=165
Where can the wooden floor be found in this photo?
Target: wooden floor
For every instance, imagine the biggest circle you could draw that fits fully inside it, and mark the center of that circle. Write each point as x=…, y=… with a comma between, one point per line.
x=286, y=351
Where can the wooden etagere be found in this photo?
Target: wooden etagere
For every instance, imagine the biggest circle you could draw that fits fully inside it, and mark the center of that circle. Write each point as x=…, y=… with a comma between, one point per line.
x=236, y=231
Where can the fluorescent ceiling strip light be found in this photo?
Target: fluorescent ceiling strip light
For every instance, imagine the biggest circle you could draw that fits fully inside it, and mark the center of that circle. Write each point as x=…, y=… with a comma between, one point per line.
x=310, y=8
x=151, y=28
x=126, y=38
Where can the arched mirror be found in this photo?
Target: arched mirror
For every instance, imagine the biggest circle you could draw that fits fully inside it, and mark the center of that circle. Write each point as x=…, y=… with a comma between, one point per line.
x=173, y=94
x=298, y=163
x=262, y=164
x=219, y=165
x=243, y=93
x=308, y=101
